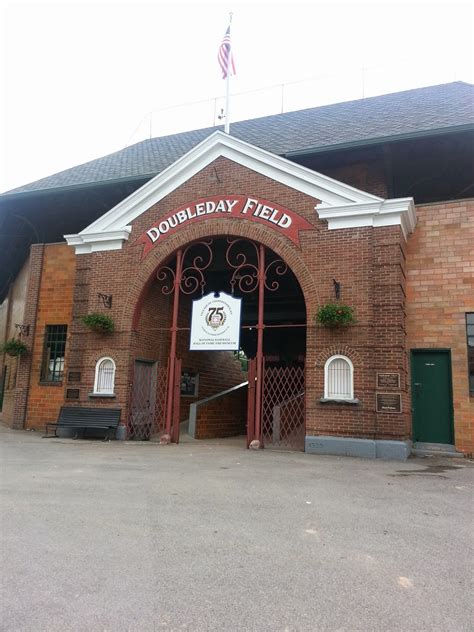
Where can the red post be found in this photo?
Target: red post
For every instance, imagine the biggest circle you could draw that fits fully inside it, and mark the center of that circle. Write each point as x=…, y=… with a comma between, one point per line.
x=251, y=403
x=176, y=402
x=259, y=358
x=174, y=333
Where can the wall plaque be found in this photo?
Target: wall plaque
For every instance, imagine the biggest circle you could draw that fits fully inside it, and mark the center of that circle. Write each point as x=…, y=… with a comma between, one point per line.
x=72, y=393
x=388, y=402
x=388, y=380
x=74, y=376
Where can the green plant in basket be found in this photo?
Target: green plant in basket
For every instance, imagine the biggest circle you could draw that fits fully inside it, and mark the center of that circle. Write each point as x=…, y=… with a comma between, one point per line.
x=335, y=315
x=100, y=323
x=13, y=347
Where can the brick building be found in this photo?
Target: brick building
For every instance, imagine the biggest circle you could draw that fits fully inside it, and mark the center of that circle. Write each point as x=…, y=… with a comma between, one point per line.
x=367, y=204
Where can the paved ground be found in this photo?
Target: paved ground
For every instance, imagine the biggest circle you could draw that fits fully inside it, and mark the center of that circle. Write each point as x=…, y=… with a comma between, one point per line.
x=126, y=536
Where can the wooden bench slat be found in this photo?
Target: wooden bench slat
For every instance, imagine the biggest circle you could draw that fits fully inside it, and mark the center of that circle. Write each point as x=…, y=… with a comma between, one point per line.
x=95, y=418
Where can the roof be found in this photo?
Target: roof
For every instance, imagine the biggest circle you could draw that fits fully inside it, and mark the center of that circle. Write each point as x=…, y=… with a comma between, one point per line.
x=341, y=204
x=430, y=110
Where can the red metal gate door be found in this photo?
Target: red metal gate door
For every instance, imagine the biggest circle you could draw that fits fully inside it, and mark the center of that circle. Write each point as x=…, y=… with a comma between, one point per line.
x=176, y=401
x=252, y=378
x=283, y=410
x=147, y=402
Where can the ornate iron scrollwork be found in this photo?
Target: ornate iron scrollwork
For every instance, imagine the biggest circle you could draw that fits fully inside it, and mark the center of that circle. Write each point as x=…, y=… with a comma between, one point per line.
x=245, y=274
x=242, y=257
x=278, y=267
x=192, y=276
x=166, y=276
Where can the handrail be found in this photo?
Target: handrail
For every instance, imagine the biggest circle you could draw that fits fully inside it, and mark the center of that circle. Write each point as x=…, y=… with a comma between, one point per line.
x=290, y=399
x=194, y=406
x=276, y=414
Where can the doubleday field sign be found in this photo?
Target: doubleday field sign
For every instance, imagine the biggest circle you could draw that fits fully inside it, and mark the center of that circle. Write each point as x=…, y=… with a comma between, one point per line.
x=283, y=220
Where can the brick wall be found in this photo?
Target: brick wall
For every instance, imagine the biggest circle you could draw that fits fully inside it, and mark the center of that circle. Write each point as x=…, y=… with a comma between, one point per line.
x=440, y=290
x=54, y=307
x=369, y=263
x=86, y=347
x=13, y=311
x=366, y=176
x=405, y=296
x=148, y=340
x=223, y=417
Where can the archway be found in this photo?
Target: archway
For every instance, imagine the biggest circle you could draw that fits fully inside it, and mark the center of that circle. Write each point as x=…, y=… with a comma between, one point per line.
x=170, y=381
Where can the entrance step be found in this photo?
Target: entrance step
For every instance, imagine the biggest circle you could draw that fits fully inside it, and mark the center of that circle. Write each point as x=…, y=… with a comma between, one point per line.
x=435, y=449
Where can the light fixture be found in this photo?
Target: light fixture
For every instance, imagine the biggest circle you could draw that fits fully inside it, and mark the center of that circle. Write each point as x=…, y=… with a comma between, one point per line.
x=106, y=299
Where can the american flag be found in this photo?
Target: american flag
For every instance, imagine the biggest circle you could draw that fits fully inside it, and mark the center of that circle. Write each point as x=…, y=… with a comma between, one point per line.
x=225, y=58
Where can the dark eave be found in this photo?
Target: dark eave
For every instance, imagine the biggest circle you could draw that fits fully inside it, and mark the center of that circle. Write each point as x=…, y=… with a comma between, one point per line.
x=41, y=193
x=381, y=140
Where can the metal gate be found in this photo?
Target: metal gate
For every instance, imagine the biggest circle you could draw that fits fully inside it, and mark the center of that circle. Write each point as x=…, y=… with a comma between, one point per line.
x=276, y=407
x=283, y=407
x=147, y=401
x=251, y=397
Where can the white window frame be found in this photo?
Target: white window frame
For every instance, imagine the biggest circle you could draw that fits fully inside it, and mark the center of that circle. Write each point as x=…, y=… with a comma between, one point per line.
x=96, y=379
x=326, y=378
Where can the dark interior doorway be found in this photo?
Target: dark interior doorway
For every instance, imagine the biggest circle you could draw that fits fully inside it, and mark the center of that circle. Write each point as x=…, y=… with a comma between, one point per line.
x=273, y=337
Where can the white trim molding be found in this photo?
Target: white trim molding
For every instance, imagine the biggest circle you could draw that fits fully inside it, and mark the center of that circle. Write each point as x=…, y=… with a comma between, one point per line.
x=337, y=202
x=396, y=212
x=86, y=242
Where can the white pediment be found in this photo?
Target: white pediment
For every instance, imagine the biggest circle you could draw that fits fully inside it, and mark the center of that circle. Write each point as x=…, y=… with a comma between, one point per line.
x=341, y=205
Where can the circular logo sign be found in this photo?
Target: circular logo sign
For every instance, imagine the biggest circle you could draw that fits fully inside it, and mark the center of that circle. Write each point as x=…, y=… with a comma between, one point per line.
x=214, y=316
x=215, y=323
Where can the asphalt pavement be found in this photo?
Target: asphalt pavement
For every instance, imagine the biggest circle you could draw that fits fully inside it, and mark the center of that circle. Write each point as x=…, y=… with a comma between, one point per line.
x=128, y=536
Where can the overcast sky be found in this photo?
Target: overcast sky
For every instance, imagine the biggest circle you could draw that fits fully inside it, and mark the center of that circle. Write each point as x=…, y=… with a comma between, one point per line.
x=80, y=79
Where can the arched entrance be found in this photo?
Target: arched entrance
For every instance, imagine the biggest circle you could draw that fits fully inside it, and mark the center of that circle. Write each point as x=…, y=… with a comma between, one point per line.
x=258, y=389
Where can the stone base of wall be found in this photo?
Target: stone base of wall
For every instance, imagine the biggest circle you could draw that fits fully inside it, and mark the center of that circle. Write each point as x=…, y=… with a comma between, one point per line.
x=365, y=448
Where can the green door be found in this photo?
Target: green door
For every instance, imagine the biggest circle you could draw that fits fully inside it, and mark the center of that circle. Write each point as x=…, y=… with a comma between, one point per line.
x=431, y=396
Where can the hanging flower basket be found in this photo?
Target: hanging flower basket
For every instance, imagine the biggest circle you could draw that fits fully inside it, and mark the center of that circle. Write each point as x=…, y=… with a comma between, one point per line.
x=335, y=315
x=13, y=347
x=100, y=323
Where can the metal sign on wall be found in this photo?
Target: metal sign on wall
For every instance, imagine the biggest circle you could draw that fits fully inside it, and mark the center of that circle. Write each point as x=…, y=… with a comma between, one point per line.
x=388, y=403
x=280, y=219
x=215, y=323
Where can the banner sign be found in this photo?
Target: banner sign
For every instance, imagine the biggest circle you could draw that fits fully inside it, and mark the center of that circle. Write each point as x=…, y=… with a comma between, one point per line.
x=258, y=210
x=215, y=323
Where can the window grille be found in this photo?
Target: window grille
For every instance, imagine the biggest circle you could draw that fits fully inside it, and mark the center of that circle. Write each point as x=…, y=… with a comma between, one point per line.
x=339, y=378
x=52, y=368
x=104, y=376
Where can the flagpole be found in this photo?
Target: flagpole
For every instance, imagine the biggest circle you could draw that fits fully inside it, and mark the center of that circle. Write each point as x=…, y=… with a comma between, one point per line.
x=227, y=99
x=227, y=87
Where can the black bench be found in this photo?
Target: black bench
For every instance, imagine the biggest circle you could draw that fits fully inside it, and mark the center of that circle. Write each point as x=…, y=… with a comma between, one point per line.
x=76, y=418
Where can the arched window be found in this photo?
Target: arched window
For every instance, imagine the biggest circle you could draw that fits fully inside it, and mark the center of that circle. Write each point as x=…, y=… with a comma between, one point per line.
x=104, y=377
x=339, y=378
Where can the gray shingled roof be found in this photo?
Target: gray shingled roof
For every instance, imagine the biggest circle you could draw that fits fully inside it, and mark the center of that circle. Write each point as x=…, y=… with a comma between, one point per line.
x=422, y=110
